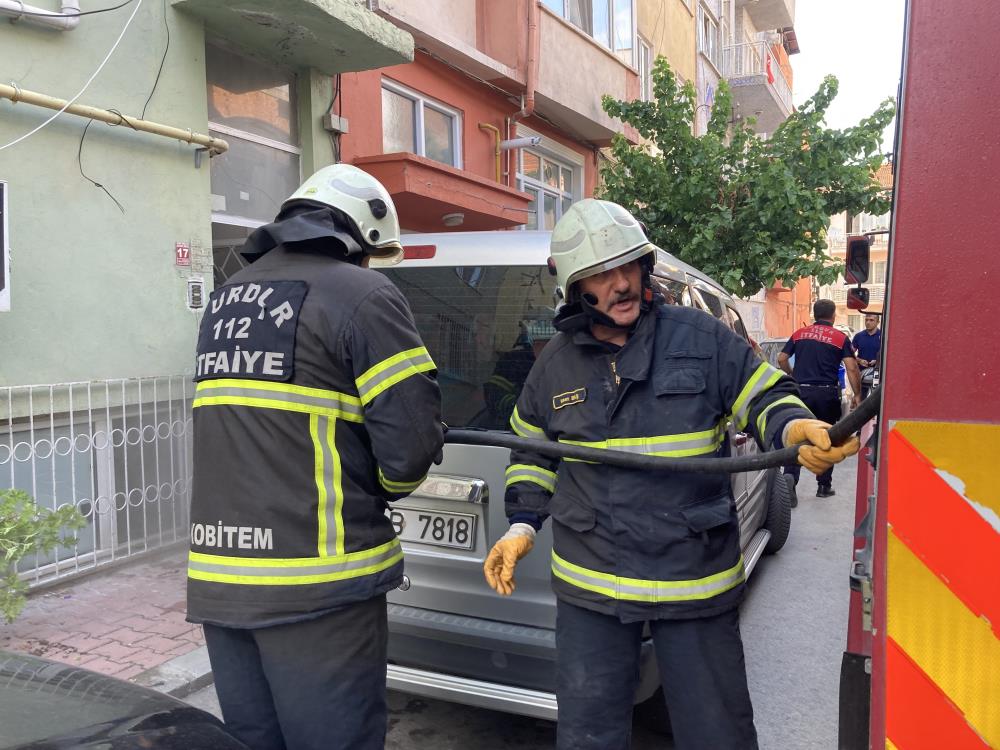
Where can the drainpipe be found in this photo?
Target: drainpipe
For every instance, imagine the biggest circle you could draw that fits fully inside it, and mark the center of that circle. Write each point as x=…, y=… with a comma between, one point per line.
x=531, y=79
x=496, y=143
x=66, y=20
x=532, y=8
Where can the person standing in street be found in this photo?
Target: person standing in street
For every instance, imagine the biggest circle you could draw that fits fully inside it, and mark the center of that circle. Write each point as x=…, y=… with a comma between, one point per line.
x=819, y=350
x=628, y=372
x=316, y=403
x=868, y=346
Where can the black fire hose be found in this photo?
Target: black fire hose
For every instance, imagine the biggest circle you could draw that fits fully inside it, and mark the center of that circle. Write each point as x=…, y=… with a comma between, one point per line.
x=839, y=433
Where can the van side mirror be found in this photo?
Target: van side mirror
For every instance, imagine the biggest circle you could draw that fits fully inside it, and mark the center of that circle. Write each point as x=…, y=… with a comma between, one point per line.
x=857, y=298
x=857, y=268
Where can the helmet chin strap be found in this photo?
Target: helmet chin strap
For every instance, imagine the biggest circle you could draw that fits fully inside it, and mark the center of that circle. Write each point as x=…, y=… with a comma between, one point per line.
x=583, y=312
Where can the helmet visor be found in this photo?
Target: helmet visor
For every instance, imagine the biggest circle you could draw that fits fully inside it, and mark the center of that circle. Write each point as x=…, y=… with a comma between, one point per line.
x=620, y=260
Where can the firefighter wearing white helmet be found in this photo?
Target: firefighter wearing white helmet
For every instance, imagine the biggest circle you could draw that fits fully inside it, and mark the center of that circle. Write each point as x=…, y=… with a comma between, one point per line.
x=630, y=548
x=595, y=236
x=316, y=405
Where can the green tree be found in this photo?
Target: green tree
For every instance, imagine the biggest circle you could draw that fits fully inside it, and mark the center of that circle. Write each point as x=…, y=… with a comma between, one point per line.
x=746, y=211
x=25, y=528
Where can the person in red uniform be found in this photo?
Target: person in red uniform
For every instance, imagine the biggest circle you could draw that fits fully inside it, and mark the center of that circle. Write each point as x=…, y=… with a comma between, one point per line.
x=819, y=349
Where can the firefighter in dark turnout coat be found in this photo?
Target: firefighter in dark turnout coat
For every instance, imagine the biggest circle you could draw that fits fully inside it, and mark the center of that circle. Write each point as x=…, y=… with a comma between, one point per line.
x=316, y=403
x=630, y=547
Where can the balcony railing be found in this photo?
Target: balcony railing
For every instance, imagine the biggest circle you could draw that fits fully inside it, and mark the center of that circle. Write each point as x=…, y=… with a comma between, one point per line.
x=756, y=59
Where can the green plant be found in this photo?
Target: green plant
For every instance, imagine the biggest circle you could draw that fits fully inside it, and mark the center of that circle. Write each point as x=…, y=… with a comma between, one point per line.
x=746, y=211
x=25, y=528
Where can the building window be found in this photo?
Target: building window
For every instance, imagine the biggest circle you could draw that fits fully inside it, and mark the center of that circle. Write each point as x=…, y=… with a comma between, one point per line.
x=878, y=272
x=708, y=35
x=610, y=22
x=855, y=322
x=552, y=184
x=253, y=107
x=645, y=70
x=413, y=123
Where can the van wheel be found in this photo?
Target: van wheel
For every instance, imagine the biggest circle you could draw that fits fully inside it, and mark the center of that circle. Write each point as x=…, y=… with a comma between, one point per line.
x=779, y=511
x=652, y=714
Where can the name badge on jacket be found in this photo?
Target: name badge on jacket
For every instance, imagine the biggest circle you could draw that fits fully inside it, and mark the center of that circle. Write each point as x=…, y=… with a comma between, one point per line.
x=569, y=398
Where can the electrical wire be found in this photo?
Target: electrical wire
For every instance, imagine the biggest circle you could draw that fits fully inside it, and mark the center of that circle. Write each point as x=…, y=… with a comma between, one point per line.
x=85, y=86
x=84, y=13
x=159, y=72
x=95, y=183
x=338, y=100
x=79, y=151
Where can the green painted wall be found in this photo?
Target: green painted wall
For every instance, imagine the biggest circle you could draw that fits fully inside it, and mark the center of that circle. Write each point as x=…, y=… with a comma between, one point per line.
x=94, y=292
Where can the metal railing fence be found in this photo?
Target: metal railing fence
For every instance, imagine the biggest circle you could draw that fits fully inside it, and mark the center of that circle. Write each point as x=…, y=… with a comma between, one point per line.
x=119, y=450
x=754, y=59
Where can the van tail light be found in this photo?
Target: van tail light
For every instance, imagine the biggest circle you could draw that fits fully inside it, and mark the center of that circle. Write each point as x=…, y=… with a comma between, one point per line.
x=419, y=252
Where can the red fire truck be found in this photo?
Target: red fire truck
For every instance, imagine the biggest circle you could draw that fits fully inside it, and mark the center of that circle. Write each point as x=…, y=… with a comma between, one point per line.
x=922, y=665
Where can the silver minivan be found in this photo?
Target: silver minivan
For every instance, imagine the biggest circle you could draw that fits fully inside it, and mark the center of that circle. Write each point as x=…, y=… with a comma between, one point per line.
x=483, y=302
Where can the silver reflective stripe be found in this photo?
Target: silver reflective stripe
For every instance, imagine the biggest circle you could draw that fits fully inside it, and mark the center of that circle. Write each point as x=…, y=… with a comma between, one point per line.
x=348, y=405
x=330, y=496
x=355, y=191
x=527, y=473
x=654, y=446
x=523, y=428
x=411, y=365
x=689, y=444
x=564, y=246
x=632, y=589
x=334, y=567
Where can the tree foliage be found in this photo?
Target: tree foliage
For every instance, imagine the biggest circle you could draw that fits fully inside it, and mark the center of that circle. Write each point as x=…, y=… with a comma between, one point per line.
x=26, y=528
x=746, y=211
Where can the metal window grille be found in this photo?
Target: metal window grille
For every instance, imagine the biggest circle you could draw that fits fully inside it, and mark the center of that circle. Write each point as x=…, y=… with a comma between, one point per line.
x=119, y=450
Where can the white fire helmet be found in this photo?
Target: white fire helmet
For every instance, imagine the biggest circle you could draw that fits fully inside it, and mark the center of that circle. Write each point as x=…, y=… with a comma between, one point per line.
x=595, y=236
x=362, y=199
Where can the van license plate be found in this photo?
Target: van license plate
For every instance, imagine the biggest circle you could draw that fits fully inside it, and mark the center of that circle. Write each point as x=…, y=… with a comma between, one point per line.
x=435, y=527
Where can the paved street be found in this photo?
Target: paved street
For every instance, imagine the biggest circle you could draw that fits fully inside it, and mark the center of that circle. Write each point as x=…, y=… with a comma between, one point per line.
x=794, y=622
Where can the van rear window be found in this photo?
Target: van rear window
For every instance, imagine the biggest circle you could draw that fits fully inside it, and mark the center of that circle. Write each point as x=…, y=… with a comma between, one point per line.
x=484, y=326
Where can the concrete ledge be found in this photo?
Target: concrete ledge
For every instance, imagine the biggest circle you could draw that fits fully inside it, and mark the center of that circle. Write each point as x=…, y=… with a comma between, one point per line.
x=181, y=676
x=332, y=36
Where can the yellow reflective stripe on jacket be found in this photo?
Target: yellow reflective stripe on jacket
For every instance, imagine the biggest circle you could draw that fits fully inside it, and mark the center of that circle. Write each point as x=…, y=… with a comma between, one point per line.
x=525, y=429
x=528, y=473
x=762, y=419
x=392, y=486
x=677, y=446
x=388, y=372
x=265, y=571
x=265, y=394
x=328, y=485
x=763, y=378
x=639, y=590
x=501, y=382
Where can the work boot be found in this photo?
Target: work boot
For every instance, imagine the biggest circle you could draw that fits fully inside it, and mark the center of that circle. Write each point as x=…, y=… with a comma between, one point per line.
x=825, y=490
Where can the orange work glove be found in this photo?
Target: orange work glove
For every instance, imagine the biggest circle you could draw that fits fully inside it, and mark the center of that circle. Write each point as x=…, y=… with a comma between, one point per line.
x=817, y=454
x=502, y=559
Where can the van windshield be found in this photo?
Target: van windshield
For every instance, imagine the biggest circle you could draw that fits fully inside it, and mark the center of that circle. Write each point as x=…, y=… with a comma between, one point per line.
x=484, y=326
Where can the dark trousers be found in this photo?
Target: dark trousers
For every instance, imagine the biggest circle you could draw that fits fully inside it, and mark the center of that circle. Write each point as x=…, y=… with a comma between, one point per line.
x=824, y=403
x=306, y=685
x=701, y=668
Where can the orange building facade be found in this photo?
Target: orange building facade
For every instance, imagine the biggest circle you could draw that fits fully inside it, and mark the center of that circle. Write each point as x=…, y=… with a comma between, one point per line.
x=493, y=125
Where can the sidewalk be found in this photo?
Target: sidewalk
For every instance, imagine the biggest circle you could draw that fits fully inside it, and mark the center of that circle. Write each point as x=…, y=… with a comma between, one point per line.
x=127, y=621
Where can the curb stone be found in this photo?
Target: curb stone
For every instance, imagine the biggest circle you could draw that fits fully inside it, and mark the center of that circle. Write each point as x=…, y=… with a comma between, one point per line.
x=181, y=676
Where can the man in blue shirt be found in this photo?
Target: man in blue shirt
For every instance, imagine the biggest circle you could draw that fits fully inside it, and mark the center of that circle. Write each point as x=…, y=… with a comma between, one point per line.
x=868, y=345
x=819, y=349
